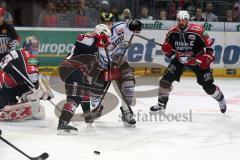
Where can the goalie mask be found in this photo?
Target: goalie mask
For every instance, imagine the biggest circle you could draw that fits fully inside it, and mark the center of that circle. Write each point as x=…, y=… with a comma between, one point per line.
x=31, y=44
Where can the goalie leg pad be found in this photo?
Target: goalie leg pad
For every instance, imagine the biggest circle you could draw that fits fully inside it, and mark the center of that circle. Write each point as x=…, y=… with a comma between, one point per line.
x=23, y=111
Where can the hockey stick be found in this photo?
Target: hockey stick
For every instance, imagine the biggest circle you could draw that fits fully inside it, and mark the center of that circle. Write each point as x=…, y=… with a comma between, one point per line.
x=109, y=66
x=145, y=38
x=43, y=156
x=31, y=85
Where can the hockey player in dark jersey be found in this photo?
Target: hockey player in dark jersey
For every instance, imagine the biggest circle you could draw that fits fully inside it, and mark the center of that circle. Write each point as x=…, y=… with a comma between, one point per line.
x=9, y=39
x=74, y=71
x=189, y=46
x=121, y=71
x=18, y=68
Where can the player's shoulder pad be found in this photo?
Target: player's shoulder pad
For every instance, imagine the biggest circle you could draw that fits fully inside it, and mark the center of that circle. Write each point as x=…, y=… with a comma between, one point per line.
x=173, y=29
x=80, y=37
x=196, y=28
x=119, y=28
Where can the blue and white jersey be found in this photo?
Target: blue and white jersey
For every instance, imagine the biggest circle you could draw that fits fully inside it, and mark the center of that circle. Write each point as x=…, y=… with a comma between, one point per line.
x=120, y=40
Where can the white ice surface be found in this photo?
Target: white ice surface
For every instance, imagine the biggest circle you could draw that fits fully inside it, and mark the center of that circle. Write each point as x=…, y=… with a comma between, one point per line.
x=210, y=135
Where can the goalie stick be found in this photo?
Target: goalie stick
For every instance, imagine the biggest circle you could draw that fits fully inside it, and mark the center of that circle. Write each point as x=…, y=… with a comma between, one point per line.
x=43, y=156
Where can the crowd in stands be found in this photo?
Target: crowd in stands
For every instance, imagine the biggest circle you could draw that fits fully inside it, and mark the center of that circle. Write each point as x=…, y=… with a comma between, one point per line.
x=85, y=13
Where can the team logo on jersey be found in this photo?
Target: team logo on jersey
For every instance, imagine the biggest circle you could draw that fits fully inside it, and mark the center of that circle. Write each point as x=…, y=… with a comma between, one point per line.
x=192, y=37
x=120, y=31
x=4, y=31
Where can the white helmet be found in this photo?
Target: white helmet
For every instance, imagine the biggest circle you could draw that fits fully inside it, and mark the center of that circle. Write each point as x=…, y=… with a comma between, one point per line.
x=102, y=29
x=183, y=15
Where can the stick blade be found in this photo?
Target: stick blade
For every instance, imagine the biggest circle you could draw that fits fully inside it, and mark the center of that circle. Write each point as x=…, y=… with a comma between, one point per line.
x=41, y=157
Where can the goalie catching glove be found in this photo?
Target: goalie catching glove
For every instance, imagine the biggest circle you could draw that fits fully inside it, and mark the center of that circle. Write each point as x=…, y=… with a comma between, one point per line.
x=42, y=92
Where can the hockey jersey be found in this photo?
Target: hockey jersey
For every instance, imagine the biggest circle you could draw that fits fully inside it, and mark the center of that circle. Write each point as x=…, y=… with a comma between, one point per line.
x=192, y=40
x=119, y=43
x=83, y=55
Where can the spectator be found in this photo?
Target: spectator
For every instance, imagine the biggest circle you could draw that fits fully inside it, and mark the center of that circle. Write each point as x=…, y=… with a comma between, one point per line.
x=162, y=15
x=229, y=16
x=198, y=16
x=189, y=6
x=210, y=17
x=126, y=15
x=181, y=4
x=85, y=16
x=144, y=13
x=171, y=10
x=8, y=17
x=48, y=18
x=236, y=8
x=114, y=11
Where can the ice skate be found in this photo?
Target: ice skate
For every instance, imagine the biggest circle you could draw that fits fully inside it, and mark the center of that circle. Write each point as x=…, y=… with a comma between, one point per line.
x=65, y=129
x=89, y=119
x=158, y=108
x=222, y=105
x=127, y=118
x=97, y=112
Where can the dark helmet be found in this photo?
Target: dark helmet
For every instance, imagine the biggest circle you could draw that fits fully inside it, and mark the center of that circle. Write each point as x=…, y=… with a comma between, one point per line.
x=134, y=25
x=107, y=17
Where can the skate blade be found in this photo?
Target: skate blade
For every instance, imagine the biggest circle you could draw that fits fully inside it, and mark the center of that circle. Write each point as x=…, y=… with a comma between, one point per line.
x=126, y=125
x=157, y=112
x=65, y=132
x=223, y=110
x=89, y=125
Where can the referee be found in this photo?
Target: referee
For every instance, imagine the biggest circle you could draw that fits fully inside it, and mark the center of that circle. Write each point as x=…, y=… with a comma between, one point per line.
x=9, y=39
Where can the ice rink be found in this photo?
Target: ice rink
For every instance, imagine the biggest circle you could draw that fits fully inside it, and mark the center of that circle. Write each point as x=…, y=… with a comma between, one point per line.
x=201, y=133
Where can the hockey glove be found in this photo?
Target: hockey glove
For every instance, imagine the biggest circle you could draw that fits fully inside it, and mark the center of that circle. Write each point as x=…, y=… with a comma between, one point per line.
x=206, y=60
x=13, y=44
x=167, y=49
x=102, y=41
x=135, y=25
x=187, y=59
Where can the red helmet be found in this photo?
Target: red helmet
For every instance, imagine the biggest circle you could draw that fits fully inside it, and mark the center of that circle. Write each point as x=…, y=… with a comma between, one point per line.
x=2, y=11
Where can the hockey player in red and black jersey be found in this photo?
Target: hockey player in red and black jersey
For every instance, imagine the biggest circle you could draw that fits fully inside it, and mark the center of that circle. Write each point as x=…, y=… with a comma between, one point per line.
x=18, y=67
x=75, y=70
x=191, y=47
x=9, y=39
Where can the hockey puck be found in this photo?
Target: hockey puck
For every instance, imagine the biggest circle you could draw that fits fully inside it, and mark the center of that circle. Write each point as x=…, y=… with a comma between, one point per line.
x=97, y=152
x=0, y=132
